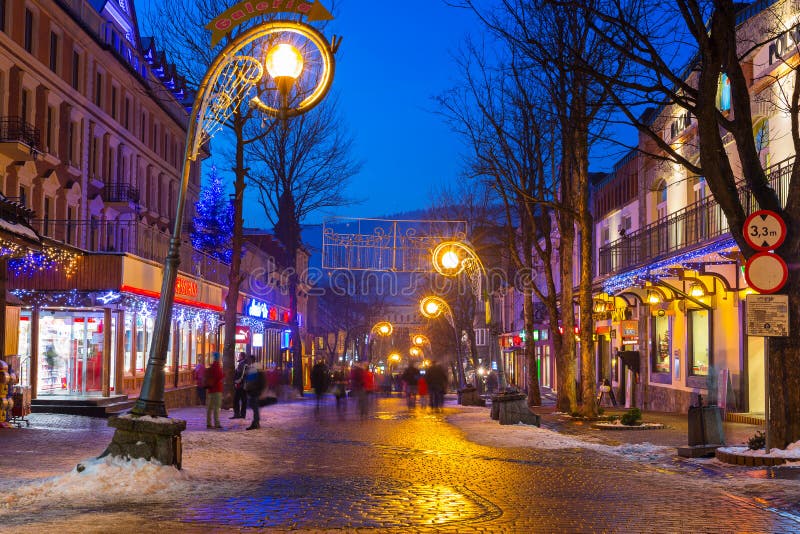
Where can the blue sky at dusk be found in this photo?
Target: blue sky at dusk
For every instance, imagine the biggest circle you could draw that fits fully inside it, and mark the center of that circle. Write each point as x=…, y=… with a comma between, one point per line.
x=393, y=59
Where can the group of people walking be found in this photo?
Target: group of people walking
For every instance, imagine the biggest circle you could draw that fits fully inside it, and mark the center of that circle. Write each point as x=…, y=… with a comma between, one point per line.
x=249, y=382
x=431, y=385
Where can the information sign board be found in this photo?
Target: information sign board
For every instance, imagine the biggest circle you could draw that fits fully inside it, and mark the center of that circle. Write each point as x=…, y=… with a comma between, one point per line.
x=768, y=315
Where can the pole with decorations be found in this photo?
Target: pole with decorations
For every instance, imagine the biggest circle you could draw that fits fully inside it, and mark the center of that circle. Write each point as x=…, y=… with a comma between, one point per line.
x=229, y=82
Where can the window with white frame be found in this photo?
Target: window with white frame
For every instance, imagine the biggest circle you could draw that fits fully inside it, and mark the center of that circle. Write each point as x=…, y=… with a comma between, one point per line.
x=481, y=337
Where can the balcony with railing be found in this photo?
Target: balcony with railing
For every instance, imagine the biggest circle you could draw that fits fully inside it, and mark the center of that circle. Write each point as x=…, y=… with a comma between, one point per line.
x=19, y=139
x=694, y=226
x=121, y=193
x=131, y=237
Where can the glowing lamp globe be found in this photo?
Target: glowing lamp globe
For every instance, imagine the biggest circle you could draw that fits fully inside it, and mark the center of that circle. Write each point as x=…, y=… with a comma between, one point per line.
x=450, y=260
x=431, y=307
x=284, y=61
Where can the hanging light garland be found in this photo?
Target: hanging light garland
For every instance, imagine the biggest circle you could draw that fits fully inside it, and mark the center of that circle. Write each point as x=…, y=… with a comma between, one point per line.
x=49, y=258
x=634, y=277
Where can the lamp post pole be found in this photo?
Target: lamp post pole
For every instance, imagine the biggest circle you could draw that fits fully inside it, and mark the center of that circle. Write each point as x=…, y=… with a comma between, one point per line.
x=225, y=85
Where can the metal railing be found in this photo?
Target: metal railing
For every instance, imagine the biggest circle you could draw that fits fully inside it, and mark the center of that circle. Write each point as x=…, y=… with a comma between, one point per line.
x=121, y=193
x=131, y=237
x=15, y=129
x=688, y=228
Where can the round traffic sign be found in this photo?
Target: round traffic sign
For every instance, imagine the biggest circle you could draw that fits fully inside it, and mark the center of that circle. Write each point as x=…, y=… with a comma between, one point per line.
x=764, y=230
x=766, y=272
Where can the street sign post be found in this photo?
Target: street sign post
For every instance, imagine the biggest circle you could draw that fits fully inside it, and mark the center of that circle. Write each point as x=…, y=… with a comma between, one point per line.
x=766, y=272
x=768, y=315
x=764, y=230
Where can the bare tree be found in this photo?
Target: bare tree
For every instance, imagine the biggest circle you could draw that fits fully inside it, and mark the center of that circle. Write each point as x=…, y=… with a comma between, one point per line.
x=299, y=168
x=718, y=43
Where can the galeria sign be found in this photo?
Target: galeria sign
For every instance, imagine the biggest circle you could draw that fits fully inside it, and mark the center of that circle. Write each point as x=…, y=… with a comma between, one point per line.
x=248, y=9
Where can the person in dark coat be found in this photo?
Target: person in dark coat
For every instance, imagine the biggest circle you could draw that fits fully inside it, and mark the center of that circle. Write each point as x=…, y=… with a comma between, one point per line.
x=410, y=377
x=437, y=384
x=239, y=394
x=320, y=381
x=214, y=376
x=254, y=384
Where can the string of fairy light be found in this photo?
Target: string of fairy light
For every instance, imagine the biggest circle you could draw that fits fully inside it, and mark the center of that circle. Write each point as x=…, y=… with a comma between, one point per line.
x=34, y=261
x=140, y=305
x=634, y=277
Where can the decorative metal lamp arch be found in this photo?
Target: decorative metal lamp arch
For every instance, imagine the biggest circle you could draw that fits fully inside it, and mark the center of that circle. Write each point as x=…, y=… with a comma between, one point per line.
x=225, y=86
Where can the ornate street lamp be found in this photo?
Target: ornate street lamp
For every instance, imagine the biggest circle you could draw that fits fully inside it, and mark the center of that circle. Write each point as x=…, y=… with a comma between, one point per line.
x=420, y=340
x=433, y=307
x=383, y=328
x=451, y=258
x=227, y=85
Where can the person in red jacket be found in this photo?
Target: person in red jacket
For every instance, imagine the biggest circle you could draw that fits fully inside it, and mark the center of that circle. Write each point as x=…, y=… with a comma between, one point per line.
x=214, y=376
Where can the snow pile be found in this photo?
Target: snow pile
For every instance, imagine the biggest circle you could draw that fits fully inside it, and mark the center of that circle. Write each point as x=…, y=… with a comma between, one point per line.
x=479, y=428
x=792, y=452
x=109, y=479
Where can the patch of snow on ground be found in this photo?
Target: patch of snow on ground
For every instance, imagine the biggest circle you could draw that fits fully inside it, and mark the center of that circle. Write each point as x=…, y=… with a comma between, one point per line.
x=481, y=429
x=792, y=452
x=109, y=479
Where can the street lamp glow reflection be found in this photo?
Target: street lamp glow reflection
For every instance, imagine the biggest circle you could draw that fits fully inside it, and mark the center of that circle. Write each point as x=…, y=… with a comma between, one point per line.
x=284, y=61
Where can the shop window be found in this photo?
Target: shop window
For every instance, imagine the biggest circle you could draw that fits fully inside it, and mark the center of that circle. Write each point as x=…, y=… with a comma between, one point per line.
x=662, y=344
x=699, y=330
x=724, y=93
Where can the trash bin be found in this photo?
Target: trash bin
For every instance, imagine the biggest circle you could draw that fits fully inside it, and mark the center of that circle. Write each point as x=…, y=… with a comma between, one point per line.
x=705, y=426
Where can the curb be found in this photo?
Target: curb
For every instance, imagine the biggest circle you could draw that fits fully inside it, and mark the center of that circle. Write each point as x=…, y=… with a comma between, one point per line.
x=643, y=426
x=749, y=461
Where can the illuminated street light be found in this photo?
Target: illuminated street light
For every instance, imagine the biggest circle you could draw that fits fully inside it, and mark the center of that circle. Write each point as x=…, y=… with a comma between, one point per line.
x=433, y=307
x=415, y=352
x=383, y=328
x=227, y=85
x=451, y=258
x=420, y=340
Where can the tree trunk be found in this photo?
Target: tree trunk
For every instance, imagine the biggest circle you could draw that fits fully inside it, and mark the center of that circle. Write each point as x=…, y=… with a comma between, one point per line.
x=585, y=223
x=234, y=275
x=567, y=393
x=534, y=394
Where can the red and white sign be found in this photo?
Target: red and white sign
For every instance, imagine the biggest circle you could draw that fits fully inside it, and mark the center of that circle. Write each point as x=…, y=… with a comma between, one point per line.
x=766, y=272
x=764, y=230
x=242, y=334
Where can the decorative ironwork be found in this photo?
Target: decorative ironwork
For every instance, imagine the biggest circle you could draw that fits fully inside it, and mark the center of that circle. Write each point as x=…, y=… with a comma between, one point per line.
x=697, y=224
x=16, y=130
x=384, y=244
x=121, y=193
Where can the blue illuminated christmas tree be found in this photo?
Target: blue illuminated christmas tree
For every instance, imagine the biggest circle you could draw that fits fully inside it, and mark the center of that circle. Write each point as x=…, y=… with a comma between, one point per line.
x=212, y=225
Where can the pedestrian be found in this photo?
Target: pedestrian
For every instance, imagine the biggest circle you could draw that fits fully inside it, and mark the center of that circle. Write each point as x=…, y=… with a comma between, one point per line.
x=200, y=379
x=410, y=377
x=239, y=394
x=358, y=387
x=213, y=383
x=340, y=389
x=422, y=391
x=437, y=384
x=254, y=384
x=320, y=381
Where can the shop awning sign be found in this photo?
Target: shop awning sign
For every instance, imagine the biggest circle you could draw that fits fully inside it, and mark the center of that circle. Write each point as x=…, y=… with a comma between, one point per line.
x=768, y=315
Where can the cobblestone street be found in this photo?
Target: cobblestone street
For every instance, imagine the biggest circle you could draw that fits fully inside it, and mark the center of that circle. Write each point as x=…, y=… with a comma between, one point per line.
x=394, y=471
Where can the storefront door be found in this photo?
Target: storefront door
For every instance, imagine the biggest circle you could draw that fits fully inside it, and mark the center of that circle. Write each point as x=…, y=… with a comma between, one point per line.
x=72, y=352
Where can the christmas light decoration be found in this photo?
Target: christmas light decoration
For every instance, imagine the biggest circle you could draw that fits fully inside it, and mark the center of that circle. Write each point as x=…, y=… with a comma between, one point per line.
x=49, y=258
x=636, y=276
x=212, y=227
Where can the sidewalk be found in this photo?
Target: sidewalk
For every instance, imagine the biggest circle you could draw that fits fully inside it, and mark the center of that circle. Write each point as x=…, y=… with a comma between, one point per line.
x=674, y=434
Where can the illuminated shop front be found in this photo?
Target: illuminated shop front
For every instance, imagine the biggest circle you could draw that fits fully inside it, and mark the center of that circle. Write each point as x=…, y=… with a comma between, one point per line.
x=263, y=331
x=95, y=342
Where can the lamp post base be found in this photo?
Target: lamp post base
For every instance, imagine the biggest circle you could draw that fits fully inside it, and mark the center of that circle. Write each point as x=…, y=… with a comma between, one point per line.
x=151, y=438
